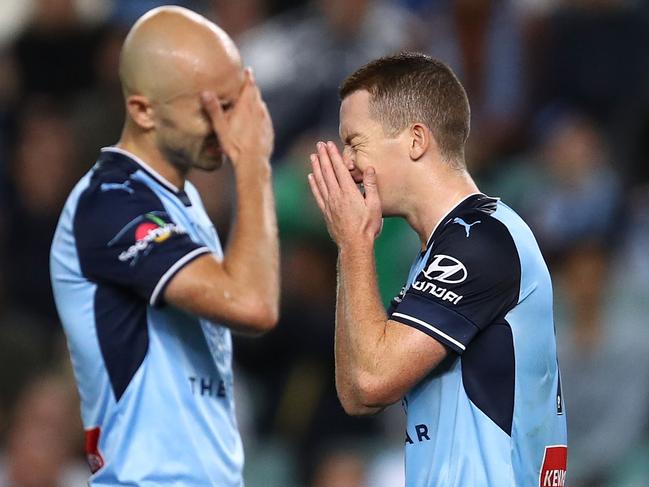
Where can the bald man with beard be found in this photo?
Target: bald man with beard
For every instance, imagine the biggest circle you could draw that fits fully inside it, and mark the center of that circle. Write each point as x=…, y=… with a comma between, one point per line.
x=145, y=293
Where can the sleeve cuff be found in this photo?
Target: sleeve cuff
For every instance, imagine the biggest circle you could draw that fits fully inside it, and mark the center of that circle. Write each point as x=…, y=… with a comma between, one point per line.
x=441, y=323
x=166, y=277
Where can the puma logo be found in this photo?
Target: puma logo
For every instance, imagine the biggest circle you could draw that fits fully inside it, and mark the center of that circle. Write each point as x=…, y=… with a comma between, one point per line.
x=125, y=186
x=467, y=226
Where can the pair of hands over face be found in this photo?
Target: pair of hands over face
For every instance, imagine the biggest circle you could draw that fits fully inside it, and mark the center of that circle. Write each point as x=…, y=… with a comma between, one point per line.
x=246, y=135
x=351, y=217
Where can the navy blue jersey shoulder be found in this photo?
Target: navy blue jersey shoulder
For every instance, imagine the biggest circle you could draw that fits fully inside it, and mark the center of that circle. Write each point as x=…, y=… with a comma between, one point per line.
x=470, y=279
x=123, y=233
x=486, y=248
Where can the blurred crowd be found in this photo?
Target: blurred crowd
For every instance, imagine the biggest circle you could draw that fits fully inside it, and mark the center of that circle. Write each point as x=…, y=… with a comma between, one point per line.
x=560, y=130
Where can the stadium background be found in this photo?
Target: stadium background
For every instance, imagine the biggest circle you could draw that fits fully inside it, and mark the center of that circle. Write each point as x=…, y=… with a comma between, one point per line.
x=560, y=130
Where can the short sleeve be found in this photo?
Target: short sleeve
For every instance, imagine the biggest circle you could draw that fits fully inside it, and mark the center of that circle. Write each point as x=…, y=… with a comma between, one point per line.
x=127, y=238
x=470, y=280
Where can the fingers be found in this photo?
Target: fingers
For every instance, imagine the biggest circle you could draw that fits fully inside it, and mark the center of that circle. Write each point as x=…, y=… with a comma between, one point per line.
x=212, y=106
x=316, y=192
x=340, y=168
x=319, y=178
x=327, y=169
x=372, y=199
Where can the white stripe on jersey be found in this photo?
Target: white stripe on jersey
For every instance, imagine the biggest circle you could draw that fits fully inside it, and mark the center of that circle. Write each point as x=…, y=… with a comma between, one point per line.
x=431, y=328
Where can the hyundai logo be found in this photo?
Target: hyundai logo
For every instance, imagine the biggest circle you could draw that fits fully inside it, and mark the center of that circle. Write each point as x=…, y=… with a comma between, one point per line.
x=446, y=269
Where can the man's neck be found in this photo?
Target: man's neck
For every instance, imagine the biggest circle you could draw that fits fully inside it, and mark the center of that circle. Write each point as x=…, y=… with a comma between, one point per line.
x=435, y=197
x=153, y=157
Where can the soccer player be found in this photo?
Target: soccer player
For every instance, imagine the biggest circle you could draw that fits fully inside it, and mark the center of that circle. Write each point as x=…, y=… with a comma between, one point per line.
x=146, y=296
x=468, y=346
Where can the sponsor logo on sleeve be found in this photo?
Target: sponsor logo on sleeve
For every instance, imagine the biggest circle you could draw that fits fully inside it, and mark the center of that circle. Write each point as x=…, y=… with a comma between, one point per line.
x=553, y=468
x=145, y=231
x=125, y=186
x=467, y=226
x=446, y=270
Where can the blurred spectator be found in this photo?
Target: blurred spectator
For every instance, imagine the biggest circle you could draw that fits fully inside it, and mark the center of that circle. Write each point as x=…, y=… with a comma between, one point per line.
x=43, y=169
x=302, y=56
x=54, y=55
x=341, y=467
x=236, y=18
x=43, y=438
x=97, y=112
x=482, y=41
x=24, y=353
x=594, y=55
x=566, y=189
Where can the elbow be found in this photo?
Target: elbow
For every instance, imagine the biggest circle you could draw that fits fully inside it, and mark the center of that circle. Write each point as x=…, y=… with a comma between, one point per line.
x=355, y=408
x=262, y=317
x=267, y=320
x=367, y=396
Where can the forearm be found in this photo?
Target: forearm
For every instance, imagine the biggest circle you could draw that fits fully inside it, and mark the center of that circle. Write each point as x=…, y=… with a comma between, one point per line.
x=360, y=329
x=252, y=255
x=344, y=383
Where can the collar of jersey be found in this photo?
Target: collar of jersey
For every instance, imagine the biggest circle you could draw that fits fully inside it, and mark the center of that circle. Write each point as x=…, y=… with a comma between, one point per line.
x=466, y=201
x=145, y=167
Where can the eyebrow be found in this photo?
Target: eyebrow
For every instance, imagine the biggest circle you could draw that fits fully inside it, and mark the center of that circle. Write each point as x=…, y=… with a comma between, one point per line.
x=350, y=137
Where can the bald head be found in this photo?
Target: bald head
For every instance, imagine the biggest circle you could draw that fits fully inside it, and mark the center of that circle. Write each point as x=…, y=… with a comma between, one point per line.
x=172, y=51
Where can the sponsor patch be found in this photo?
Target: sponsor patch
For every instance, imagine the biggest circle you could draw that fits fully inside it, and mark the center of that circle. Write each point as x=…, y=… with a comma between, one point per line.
x=145, y=231
x=553, y=469
x=446, y=269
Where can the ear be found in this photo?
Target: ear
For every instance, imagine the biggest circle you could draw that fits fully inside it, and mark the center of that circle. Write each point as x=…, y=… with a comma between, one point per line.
x=420, y=140
x=141, y=112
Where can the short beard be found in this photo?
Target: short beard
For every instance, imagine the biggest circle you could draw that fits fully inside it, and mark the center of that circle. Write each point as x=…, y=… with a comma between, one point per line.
x=178, y=158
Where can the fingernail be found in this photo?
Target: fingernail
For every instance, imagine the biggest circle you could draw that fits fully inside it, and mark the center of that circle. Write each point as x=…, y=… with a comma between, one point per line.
x=320, y=144
x=207, y=96
x=370, y=171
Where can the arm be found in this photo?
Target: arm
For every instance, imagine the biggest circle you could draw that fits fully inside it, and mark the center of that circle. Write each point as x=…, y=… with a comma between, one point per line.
x=377, y=360
x=344, y=377
x=243, y=289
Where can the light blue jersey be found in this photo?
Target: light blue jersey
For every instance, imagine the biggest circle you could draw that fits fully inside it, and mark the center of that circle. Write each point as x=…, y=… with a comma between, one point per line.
x=491, y=415
x=155, y=382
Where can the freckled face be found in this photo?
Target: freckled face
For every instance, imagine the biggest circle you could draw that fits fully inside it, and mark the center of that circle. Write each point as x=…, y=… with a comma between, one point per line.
x=366, y=144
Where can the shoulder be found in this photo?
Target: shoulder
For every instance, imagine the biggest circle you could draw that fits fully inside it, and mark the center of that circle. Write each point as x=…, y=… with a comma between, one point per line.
x=112, y=194
x=477, y=238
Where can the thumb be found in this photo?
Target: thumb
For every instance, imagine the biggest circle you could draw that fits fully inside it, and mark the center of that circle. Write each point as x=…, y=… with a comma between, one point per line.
x=371, y=189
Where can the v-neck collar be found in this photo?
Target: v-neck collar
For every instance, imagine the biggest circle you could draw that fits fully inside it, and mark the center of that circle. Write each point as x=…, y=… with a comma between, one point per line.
x=122, y=154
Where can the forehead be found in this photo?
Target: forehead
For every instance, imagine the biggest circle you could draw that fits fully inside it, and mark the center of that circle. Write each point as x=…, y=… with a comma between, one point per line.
x=355, y=106
x=225, y=80
x=355, y=113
